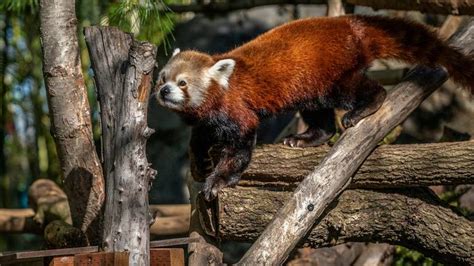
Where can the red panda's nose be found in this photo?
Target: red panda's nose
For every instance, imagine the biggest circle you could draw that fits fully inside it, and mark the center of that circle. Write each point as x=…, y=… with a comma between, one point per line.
x=165, y=90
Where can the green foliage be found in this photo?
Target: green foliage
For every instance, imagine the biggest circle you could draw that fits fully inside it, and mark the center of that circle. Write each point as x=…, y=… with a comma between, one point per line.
x=407, y=257
x=18, y=6
x=452, y=198
x=149, y=20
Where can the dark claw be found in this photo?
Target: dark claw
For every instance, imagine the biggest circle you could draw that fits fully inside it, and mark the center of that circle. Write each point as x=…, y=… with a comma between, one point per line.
x=347, y=122
x=212, y=188
x=207, y=190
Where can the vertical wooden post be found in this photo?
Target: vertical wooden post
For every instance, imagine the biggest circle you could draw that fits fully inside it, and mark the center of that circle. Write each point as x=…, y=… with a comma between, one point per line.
x=123, y=72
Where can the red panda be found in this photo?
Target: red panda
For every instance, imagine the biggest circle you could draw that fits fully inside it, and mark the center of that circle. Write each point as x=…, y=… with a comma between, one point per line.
x=311, y=65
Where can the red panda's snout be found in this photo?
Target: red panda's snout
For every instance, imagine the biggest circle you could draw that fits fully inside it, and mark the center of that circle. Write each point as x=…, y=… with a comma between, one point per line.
x=171, y=96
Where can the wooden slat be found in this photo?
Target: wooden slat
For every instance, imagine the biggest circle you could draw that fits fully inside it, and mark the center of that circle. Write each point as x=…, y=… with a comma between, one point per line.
x=173, y=242
x=26, y=255
x=15, y=257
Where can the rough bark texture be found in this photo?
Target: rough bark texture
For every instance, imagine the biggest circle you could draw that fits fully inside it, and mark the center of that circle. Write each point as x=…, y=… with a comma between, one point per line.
x=70, y=115
x=456, y=7
x=414, y=218
x=59, y=234
x=333, y=174
x=123, y=72
x=450, y=163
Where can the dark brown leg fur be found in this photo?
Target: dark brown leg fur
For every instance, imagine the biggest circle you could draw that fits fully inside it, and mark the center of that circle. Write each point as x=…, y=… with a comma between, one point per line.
x=321, y=127
x=368, y=98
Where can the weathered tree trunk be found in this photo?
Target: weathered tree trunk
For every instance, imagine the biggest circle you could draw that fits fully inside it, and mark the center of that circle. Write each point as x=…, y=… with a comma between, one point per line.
x=333, y=174
x=123, y=72
x=70, y=115
x=414, y=218
x=389, y=166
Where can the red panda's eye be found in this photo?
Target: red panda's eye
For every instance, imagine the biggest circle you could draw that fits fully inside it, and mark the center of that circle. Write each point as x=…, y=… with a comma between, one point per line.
x=182, y=83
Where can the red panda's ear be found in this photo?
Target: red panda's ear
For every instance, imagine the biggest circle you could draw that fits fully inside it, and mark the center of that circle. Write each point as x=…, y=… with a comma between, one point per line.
x=221, y=71
x=176, y=51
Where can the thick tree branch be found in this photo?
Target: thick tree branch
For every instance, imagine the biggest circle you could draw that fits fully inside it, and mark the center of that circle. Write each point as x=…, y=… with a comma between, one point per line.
x=70, y=114
x=388, y=166
x=414, y=218
x=333, y=174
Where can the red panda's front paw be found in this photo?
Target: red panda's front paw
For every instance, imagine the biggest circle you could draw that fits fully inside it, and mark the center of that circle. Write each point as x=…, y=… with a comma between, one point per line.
x=349, y=120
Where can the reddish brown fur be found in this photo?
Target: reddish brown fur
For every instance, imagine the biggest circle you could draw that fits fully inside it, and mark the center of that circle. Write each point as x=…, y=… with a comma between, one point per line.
x=304, y=60
x=311, y=65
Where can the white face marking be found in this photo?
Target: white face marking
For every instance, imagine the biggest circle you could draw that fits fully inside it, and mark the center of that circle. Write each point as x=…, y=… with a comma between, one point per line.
x=196, y=89
x=174, y=99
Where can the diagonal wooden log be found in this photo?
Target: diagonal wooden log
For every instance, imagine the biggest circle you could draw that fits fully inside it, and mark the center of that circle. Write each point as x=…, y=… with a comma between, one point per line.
x=334, y=173
x=123, y=72
x=412, y=217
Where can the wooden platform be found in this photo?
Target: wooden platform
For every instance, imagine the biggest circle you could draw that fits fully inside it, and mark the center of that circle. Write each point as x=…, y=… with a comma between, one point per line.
x=159, y=255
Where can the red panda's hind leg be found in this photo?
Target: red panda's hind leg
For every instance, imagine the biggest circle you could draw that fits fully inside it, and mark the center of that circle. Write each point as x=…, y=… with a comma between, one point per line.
x=367, y=99
x=321, y=127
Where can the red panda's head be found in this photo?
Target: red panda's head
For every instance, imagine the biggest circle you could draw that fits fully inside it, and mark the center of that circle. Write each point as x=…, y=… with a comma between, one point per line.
x=186, y=82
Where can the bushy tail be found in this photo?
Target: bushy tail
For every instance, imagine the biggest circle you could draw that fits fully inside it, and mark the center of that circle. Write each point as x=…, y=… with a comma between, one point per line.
x=384, y=37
